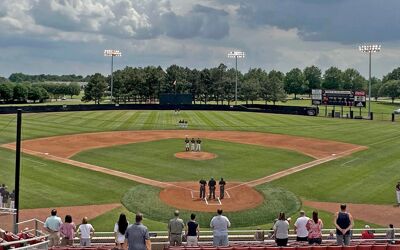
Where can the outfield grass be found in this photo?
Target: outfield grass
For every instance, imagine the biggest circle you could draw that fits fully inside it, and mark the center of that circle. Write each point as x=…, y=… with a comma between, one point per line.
x=365, y=177
x=156, y=160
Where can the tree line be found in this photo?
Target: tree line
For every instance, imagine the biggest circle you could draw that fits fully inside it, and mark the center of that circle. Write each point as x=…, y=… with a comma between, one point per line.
x=218, y=84
x=36, y=92
x=20, y=77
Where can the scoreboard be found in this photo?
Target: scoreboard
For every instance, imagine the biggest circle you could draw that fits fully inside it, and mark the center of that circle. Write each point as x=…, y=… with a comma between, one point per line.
x=347, y=98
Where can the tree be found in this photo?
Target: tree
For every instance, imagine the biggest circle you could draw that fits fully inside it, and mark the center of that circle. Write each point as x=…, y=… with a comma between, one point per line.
x=35, y=93
x=375, y=86
x=6, y=91
x=313, y=78
x=353, y=80
x=272, y=88
x=250, y=88
x=332, y=78
x=390, y=89
x=394, y=75
x=20, y=92
x=73, y=89
x=95, y=89
x=294, y=82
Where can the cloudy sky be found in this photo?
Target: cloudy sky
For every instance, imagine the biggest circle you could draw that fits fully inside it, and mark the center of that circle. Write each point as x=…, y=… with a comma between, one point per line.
x=69, y=36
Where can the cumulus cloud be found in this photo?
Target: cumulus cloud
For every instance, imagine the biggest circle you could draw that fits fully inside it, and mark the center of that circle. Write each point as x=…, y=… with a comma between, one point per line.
x=345, y=21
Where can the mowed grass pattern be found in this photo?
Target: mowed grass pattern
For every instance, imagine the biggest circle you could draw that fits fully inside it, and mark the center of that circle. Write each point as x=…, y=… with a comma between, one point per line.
x=156, y=160
x=365, y=177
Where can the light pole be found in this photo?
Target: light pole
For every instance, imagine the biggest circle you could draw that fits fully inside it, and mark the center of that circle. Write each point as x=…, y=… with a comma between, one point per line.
x=236, y=55
x=112, y=53
x=369, y=49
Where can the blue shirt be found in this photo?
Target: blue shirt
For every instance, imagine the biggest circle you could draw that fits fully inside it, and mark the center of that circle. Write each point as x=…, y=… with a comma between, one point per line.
x=137, y=234
x=53, y=223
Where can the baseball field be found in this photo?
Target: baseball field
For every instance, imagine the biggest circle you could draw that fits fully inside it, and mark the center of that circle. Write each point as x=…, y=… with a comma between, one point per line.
x=102, y=163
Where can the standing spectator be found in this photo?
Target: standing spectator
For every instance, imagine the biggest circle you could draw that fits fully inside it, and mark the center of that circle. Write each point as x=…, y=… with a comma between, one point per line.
x=137, y=235
x=222, y=184
x=86, y=230
x=52, y=226
x=314, y=227
x=12, y=199
x=192, y=232
x=211, y=185
x=198, y=145
x=390, y=234
x=67, y=231
x=203, y=184
x=344, y=223
x=119, y=230
x=175, y=228
x=300, y=227
x=281, y=230
x=219, y=224
x=367, y=233
x=398, y=193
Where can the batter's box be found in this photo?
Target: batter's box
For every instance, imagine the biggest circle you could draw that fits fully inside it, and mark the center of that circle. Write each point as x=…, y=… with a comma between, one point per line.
x=196, y=195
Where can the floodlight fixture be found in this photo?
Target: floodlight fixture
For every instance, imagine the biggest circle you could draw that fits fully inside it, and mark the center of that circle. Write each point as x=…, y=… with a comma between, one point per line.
x=111, y=53
x=369, y=48
x=236, y=54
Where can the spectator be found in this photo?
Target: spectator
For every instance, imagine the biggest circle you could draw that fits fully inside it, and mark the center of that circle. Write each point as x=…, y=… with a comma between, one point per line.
x=175, y=228
x=367, y=233
x=281, y=230
x=137, y=235
x=12, y=199
x=300, y=227
x=193, y=230
x=344, y=223
x=390, y=234
x=67, y=231
x=314, y=227
x=119, y=230
x=86, y=230
x=219, y=224
x=52, y=226
x=259, y=235
x=398, y=193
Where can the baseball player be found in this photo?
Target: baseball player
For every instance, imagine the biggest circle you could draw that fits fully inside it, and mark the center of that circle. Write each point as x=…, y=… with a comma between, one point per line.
x=198, y=145
x=211, y=186
x=193, y=144
x=222, y=184
x=187, y=145
x=203, y=184
x=398, y=193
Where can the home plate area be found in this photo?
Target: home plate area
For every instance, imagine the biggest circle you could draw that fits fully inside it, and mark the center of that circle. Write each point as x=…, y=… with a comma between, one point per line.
x=186, y=195
x=211, y=202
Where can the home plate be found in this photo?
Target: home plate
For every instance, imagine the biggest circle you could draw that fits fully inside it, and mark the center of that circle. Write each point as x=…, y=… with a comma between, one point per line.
x=333, y=154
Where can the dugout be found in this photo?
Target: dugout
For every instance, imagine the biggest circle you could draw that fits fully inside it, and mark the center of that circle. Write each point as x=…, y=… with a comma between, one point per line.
x=176, y=99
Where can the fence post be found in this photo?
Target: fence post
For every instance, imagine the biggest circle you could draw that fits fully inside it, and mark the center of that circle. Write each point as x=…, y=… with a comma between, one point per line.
x=36, y=228
x=392, y=117
x=371, y=117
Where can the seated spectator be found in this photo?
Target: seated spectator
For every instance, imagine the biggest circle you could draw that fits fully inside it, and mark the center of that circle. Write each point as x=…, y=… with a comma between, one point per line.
x=390, y=234
x=331, y=235
x=259, y=235
x=367, y=233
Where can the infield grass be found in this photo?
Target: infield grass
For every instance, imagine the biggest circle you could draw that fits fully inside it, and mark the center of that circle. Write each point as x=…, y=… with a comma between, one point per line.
x=156, y=160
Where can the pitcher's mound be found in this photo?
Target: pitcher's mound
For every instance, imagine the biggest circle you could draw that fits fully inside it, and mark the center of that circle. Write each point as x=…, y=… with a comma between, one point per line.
x=185, y=195
x=198, y=156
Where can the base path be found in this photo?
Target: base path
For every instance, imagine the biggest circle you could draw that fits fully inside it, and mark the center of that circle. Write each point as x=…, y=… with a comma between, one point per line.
x=378, y=214
x=77, y=213
x=61, y=148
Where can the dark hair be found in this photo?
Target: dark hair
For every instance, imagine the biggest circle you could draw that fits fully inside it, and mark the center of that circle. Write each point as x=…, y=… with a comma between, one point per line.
x=54, y=212
x=68, y=219
x=192, y=216
x=139, y=217
x=176, y=213
x=219, y=211
x=122, y=223
x=391, y=225
x=343, y=206
x=315, y=216
x=282, y=216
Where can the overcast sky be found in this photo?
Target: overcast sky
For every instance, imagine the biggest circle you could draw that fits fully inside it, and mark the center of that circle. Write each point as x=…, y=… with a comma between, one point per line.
x=69, y=36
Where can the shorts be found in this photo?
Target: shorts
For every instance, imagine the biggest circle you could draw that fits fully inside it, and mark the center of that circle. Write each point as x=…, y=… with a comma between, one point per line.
x=281, y=242
x=301, y=238
x=85, y=242
x=192, y=241
x=221, y=240
x=314, y=241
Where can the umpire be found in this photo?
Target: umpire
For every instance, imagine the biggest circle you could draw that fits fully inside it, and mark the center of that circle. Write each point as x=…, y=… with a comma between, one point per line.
x=222, y=184
x=211, y=185
x=203, y=184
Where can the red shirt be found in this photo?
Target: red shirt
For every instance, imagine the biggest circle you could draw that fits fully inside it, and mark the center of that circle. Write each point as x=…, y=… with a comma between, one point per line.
x=367, y=235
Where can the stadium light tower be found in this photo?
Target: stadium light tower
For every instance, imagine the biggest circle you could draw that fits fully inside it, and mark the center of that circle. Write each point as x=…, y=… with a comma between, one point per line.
x=112, y=53
x=236, y=55
x=371, y=48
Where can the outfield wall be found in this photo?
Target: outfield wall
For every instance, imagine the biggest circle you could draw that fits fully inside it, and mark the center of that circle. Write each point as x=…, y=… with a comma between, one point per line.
x=292, y=110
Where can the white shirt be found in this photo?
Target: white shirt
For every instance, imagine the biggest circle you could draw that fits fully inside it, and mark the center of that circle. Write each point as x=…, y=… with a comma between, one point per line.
x=85, y=230
x=301, y=228
x=281, y=227
x=120, y=237
x=219, y=225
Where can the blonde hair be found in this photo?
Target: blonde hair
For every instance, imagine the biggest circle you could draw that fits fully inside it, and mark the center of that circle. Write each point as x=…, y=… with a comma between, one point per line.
x=84, y=220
